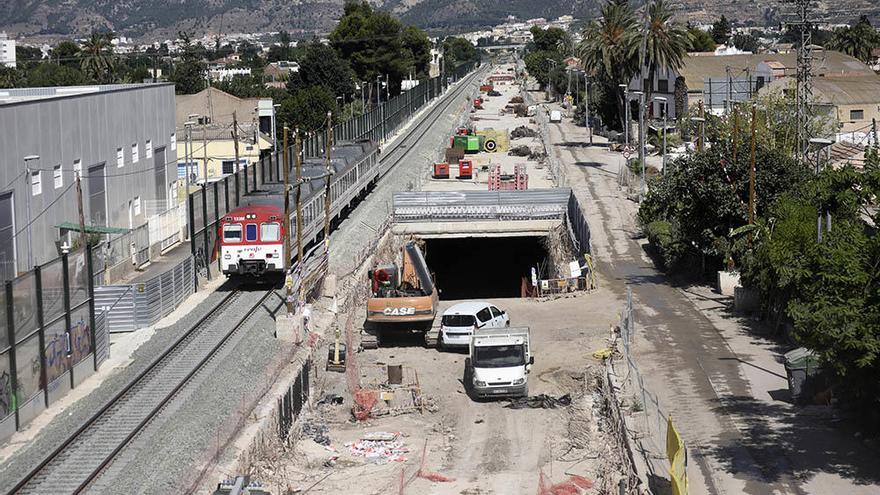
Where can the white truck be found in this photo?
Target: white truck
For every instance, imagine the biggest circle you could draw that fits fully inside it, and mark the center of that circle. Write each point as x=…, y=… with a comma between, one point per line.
x=499, y=363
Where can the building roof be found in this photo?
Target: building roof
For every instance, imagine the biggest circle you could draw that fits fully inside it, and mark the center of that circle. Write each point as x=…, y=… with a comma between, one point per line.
x=848, y=90
x=216, y=104
x=826, y=63
x=23, y=95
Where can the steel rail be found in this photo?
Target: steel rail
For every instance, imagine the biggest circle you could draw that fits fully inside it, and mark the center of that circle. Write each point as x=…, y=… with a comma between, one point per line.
x=141, y=379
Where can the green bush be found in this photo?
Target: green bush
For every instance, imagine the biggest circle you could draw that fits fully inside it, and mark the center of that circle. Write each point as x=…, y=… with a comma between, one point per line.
x=661, y=235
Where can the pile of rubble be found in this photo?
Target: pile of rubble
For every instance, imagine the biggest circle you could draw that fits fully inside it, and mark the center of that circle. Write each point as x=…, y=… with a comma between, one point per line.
x=523, y=132
x=379, y=447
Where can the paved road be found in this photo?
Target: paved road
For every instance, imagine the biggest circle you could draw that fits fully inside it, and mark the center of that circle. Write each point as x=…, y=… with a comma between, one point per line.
x=741, y=441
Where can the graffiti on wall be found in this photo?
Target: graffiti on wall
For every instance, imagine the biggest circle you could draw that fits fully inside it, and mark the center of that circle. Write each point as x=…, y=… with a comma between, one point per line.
x=7, y=395
x=65, y=349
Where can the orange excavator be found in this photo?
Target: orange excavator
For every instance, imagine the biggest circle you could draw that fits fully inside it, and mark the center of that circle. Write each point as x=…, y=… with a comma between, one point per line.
x=402, y=299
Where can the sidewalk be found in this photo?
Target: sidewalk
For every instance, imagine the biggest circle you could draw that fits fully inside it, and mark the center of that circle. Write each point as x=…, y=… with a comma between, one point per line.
x=718, y=376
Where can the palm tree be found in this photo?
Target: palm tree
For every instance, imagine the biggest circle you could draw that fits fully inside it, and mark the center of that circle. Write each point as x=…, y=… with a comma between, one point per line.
x=607, y=50
x=663, y=43
x=96, y=57
x=857, y=41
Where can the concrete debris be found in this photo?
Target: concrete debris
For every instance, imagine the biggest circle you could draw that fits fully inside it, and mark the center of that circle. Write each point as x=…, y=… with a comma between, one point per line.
x=542, y=401
x=379, y=448
x=332, y=399
x=316, y=430
x=521, y=150
x=523, y=132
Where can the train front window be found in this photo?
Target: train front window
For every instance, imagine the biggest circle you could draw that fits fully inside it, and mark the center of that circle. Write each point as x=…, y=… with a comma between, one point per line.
x=232, y=232
x=250, y=232
x=270, y=232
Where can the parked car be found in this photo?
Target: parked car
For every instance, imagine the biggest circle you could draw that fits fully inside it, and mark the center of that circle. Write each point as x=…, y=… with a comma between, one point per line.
x=555, y=116
x=459, y=322
x=493, y=93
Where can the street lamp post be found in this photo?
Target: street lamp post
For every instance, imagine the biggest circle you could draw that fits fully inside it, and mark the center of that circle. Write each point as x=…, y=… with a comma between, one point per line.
x=641, y=95
x=625, y=90
x=28, y=194
x=587, y=105
x=665, y=102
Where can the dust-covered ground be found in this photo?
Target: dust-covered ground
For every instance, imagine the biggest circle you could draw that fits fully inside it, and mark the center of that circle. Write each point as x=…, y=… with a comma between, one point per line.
x=485, y=447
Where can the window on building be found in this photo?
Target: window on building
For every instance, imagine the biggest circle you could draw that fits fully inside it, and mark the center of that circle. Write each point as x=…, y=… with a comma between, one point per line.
x=148, y=149
x=250, y=232
x=120, y=158
x=56, y=175
x=77, y=168
x=36, y=183
x=856, y=115
x=761, y=82
x=270, y=232
x=172, y=141
x=137, y=205
x=134, y=153
x=663, y=85
x=228, y=166
x=645, y=85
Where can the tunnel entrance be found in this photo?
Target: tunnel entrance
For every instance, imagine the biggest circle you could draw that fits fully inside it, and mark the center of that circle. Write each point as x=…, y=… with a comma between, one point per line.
x=483, y=267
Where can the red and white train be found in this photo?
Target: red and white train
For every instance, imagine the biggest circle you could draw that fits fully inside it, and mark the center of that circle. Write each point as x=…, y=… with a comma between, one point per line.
x=250, y=237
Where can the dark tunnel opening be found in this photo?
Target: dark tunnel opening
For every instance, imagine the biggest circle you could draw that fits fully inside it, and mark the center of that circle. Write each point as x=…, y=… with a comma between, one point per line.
x=483, y=267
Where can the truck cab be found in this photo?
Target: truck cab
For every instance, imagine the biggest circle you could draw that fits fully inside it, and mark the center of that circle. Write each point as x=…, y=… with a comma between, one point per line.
x=499, y=363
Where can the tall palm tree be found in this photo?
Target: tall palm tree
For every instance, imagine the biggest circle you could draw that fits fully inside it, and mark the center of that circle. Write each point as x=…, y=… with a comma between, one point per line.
x=96, y=57
x=857, y=41
x=663, y=43
x=608, y=49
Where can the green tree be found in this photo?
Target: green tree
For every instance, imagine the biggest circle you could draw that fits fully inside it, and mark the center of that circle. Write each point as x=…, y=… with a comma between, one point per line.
x=188, y=75
x=11, y=77
x=376, y=44
x=607, y=51
x=52, y=74
x=457, y=52
x=322, y=66
x=745, y=42
x=66, y=53
x=96, y=57
x=307, y=109
x=701, y=41
x=665, y=43
x=858, y=41
x=721, y=30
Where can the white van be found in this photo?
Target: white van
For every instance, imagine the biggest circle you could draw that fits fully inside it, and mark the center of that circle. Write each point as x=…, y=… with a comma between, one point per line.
x=555, y=116
x=499, y=363
x=459, y=322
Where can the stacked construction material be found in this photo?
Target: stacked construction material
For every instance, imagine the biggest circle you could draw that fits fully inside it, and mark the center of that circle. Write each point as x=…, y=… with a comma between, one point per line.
x=519, y=181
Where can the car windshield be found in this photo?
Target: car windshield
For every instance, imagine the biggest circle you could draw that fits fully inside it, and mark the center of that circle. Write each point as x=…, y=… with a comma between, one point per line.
x=458, y=320
x=501, y=356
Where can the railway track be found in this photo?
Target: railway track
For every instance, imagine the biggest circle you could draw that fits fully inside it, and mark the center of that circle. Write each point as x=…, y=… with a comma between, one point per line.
x=82, y=457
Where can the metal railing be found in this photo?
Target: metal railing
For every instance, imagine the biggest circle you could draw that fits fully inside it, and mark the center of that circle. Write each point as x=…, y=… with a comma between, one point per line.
x=534, y=204
x=132, y=306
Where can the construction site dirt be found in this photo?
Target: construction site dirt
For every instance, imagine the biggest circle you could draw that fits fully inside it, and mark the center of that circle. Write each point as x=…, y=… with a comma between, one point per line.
x=479, y=446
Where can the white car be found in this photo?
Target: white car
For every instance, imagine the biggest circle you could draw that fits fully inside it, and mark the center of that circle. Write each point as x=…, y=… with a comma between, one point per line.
x=555, y=116
x=459, y=322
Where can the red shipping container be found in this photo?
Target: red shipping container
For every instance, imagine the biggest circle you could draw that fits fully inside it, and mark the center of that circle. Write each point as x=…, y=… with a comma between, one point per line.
x=441, y=170
x=465, y=169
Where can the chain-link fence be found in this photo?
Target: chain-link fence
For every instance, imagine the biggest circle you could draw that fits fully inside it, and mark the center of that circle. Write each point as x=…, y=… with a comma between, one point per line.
x=51, y=339
x=650, y=424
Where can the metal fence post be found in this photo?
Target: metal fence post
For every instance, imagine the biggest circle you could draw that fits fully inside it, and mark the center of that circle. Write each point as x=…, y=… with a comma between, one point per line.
x=41, y=333
x=66, y=278
x=226, y=192
x=205, y=224
x=87, y=251
x=10, y=334
x=237, y=193
x=216, y=206
x=192, y=237
x=244, y=172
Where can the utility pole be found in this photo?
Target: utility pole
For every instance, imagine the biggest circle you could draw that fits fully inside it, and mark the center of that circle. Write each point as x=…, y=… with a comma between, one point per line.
x=205, y=149
x=752, y=167
x=735, y=136
x=587, y=105
x=234, y=143
x=288, y=301
x=298, y=177
x=625, y=90
x=804, y=90
x=329, y=145
x=642, y=140
x=82, y=218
